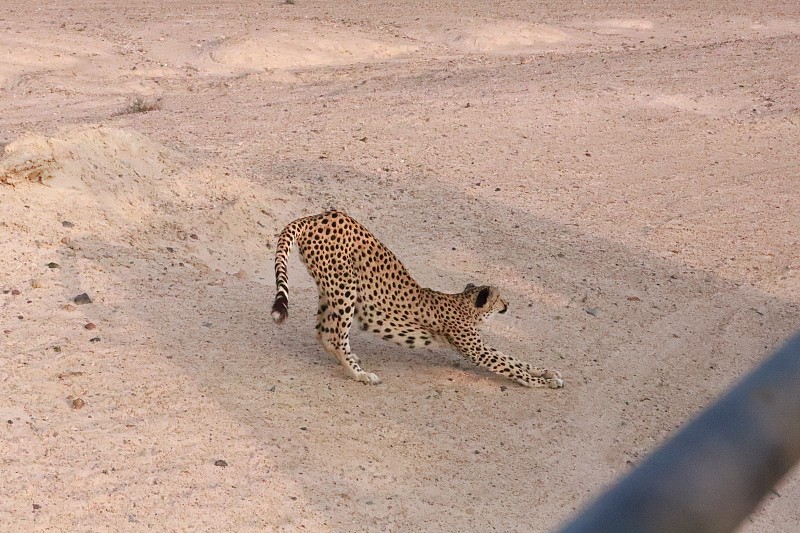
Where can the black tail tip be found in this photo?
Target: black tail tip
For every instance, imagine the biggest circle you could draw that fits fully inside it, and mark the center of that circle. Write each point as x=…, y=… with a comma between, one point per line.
x=280, y=309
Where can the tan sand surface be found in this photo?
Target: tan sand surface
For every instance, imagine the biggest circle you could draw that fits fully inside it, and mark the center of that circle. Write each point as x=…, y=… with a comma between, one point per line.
x=626, y=172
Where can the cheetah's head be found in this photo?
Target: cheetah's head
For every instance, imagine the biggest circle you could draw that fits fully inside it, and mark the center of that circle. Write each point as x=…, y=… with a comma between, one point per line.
x=486, y=300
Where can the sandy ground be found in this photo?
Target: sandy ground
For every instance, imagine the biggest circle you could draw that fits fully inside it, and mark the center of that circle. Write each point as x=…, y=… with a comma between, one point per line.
x=626, y=174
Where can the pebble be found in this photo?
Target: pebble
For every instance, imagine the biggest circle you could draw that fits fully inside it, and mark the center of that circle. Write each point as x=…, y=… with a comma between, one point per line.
x=67, y=224
x=220, y=462
x=82, y=298
x=90, y=326
x=78, y=403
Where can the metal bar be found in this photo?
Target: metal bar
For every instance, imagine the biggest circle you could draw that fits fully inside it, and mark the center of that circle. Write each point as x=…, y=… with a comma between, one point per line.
x=710, y=475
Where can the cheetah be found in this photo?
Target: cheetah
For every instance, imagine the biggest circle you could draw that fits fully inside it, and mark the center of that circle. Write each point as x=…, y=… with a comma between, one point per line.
x=358, y=277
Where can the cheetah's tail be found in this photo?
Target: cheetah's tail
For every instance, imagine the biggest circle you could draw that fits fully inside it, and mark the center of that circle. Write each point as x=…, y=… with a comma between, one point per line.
x=280, y=308
x=287, y=238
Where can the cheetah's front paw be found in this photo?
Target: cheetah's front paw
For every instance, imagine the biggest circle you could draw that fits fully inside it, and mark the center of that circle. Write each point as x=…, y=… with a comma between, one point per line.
x=551, y=374
x=553, y=379
x=540, y=377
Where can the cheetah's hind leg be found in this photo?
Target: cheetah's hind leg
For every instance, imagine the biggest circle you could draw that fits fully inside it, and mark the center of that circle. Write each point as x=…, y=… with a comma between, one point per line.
x=333, y=333
x=340, y=350
x=322, y=313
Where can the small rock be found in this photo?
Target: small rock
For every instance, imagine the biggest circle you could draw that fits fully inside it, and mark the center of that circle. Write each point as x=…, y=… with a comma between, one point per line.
x=67, y=224
x=90, y=326
x=78, y=403
x=15, y=292
x=53, y=265
x=36, y=506
x=94, y=339
x=633, y=298
x=592, y=311
x=220, y=462
x=38, y=283
x=194, y=236
x=82, y=299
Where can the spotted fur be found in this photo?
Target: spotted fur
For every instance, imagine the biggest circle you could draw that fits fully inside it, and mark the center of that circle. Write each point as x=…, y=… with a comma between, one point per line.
x=358, y=277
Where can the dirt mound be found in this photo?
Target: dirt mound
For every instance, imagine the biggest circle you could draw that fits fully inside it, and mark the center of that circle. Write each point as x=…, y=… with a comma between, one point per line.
x=83, y=157
x=120, y=173
x=494, y=36
x=125, y=186
x=299, y=46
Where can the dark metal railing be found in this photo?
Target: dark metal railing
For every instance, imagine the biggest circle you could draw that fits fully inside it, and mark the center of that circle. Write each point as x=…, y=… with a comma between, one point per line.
x=710, y=475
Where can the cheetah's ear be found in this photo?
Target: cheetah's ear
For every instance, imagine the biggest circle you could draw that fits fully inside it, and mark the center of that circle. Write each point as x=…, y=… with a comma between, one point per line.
x=469, y=286
x=482, y=298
